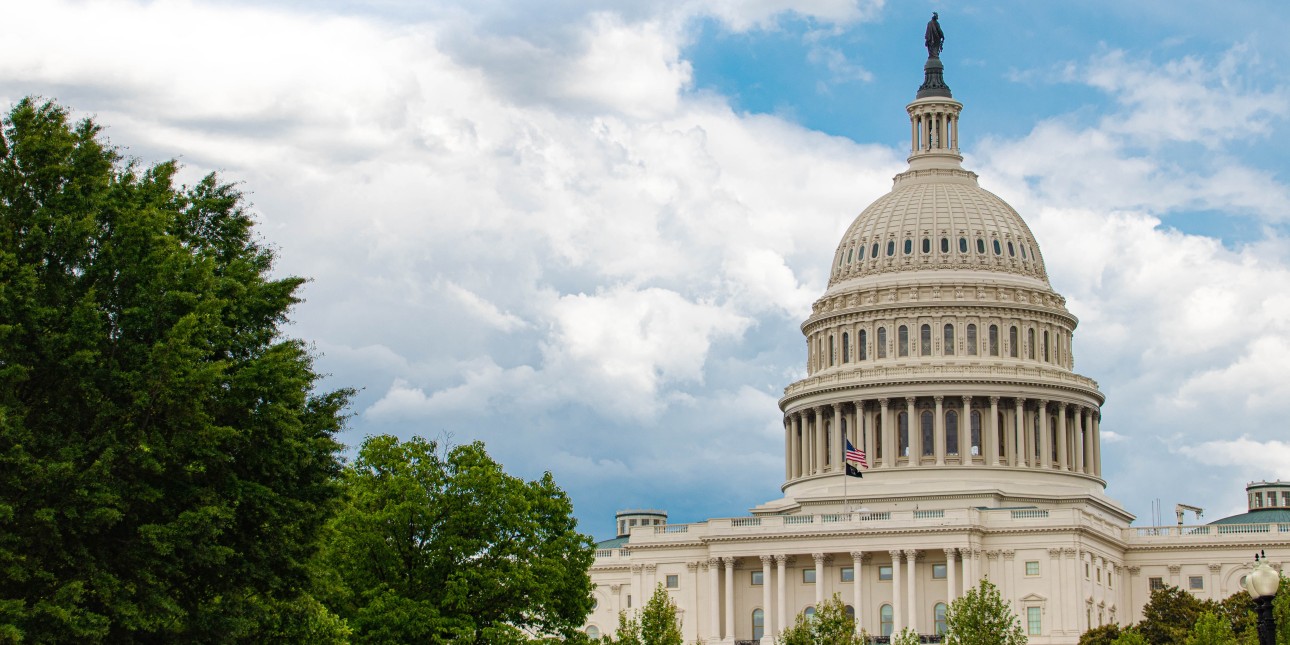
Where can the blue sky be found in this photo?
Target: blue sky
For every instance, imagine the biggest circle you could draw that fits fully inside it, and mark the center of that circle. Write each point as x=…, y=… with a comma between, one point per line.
x=586, y=232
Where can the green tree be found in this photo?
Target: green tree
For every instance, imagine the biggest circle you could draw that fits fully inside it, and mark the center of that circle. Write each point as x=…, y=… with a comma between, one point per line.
x=656, y=624
x=446, y=547
x=981, y=617
x=1170, y=614
x=165, y=462
x=1211, y=629
x=829, y=626
x=1103, y=635
x=1130, y=636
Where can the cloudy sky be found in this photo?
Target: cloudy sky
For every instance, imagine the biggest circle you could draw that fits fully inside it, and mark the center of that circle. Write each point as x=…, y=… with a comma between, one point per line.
x=586, y=231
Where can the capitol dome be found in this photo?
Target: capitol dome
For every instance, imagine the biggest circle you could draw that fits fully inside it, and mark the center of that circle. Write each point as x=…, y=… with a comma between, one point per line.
x=940, y=351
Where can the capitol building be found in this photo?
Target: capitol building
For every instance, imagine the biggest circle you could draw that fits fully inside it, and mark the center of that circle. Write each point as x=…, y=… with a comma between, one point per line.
x=941, y=351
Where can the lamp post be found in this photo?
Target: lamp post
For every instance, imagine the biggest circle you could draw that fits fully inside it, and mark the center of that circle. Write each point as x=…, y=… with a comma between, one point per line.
x=1262, y=585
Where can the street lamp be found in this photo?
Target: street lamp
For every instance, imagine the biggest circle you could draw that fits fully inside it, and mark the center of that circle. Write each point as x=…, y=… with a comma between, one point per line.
x=1262, y=585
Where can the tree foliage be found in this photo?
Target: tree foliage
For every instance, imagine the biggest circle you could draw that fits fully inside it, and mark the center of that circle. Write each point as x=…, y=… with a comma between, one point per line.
x=165, y=464
x=981, y=617
x=656, y=624
x=446, y=547
x=829, y=626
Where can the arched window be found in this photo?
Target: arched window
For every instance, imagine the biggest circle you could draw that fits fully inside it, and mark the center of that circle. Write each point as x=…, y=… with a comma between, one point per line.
x=846, y=348
x=949, y=340
x=976, y=432
x=832, y=353
x=1012, y=341
x=902, y=422
x=993, y=340
x=925, y=340
x=952, y=432
x=1045, y=345
x=863, y=349
x=902, y=340
x=938, y=617
x=593, y=632
x=884, y=617
x=927, y=434
x=1030, y=343
x=758, y=624
x=927, y=246
x=882, y=342
x=971, y=340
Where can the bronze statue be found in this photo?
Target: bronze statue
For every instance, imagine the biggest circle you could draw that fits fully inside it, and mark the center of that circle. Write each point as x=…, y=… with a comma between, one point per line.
x=934, y=38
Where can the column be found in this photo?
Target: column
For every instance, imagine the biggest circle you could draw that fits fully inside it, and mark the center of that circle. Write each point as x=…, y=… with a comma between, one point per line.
x=819, y=579
x=896, y=605
x=788, y=449
x=1045, y=447
x=765, y=593
x=938, y=431
x=1097, y=442
x=911, y=556
x=821, y=443
x=857, y=576
x=888, y=441
x=965, y=433
x=730, y=596
x=1079, y=439
x=1022, y=441
x=951, y=575
x=1053, y=572
x=915, y=432
x=838, y=439
x=992, y=439
x=781, y=566
x=714, y=599
x=1063, y=461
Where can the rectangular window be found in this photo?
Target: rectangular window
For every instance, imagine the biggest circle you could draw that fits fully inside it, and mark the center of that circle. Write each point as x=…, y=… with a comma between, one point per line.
x=756, y=578
x=884, y=572
x=808, y=576
x=938, y=571
x=1196, y=582
x=848, y=574
x=1032, y=567
x=1156, y=584
x=1034, y=621
x=673, y=581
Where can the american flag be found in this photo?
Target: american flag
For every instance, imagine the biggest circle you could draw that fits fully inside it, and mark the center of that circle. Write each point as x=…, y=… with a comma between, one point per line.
x=856, y=455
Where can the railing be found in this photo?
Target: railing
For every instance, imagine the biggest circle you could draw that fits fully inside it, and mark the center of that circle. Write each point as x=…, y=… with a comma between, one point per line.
x=1027, y=514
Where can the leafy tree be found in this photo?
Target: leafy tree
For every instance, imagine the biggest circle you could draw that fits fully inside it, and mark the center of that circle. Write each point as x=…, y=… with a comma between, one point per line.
x=657, y=623
x=1130, y=636
x=1103, y=635
x=981, y=617
x=829, y=626
x=446, y=547
x=1170, y=614
x=1211, y=629
x=165, y=462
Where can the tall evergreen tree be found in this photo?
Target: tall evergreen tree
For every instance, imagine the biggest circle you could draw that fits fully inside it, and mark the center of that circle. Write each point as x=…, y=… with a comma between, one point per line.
x=165, y=462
